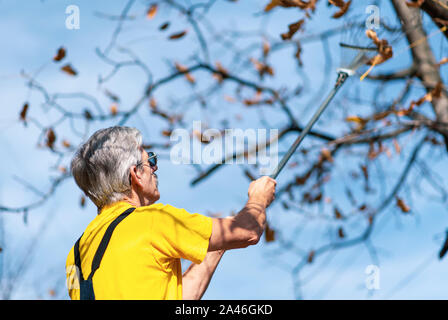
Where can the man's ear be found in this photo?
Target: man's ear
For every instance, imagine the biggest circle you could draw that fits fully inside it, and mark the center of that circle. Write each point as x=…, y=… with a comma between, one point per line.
x=135, y=175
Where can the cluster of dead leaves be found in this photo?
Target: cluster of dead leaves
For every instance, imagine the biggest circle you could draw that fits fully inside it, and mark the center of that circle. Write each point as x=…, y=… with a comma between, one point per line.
x=258, y=100
x=383, y=48
x=115, y=101
x=157, y=111
x=221, y=74
x=307, y=6
x=361, y=122
x=151, y=13
x=262, y=67
x=59, y=56
x=429, y=96
x=183, y=69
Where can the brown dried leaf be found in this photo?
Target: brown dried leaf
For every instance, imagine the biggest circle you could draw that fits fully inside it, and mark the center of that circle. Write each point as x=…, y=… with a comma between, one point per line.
x=343, y=9
x=62, y=169
x=261, y=67
x=201, y=137
x=223, y=73
x=184, y=70
x=338, y=214
x=229, y=99
x=269, y=234
x=302, y=180
x=434, y=93
x=396, y=146
x=372, y=35
x=310, y=256
x=51, y=138
x=361, y=122
x=69, y=70
x=341, y=233
x=442, y=61
x=326, y=155
x=164, y=26
x=415, y=4
x=267, y=48
x=114, y=109
x=402, y=205
x=166, y=133
x=24, y=111
x=177, y=35
x=292, y=29
x=372, y=153
x=66, y=144
x=88, y=115
x=152, y=11
x=60, y=54
x=153, y=103
x=337, y=3
x=311, y=4
x=365, y=173
x=434, y=141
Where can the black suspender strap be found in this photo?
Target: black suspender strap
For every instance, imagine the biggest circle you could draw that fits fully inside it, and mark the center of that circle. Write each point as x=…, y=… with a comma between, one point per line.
x=86, y=286
x=105, y=241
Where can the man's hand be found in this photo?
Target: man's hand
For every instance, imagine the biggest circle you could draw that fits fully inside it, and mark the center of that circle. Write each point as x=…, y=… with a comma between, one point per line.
x=262, y=191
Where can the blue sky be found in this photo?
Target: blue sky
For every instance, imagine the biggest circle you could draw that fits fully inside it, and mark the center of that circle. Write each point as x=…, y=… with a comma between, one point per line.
x=31, y=34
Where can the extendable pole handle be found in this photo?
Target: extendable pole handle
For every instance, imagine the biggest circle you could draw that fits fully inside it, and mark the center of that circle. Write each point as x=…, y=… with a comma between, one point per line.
x=342, y=76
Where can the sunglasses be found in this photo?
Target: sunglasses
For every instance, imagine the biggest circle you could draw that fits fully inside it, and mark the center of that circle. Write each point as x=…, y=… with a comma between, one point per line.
x=152, y=159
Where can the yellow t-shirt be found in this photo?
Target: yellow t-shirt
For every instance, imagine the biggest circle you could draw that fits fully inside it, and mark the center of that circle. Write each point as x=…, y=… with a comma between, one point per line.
x=142, y=260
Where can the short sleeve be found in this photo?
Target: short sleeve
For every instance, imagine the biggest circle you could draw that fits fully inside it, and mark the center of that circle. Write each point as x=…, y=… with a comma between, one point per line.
x=176, y=233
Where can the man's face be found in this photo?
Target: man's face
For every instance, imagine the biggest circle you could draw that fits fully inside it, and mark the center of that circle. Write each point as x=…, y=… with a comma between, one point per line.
x=149, y=180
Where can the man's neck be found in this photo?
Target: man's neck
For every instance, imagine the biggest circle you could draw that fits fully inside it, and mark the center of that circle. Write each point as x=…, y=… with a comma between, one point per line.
x=137, y=200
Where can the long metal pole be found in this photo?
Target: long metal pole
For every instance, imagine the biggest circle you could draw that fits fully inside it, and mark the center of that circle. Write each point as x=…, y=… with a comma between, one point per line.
x=342, y=76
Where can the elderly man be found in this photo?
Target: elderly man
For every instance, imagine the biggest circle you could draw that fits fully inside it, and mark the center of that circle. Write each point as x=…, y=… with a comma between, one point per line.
x=132, y=249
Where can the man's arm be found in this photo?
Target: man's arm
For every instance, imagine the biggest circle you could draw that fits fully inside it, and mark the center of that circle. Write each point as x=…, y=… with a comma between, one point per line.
x=247, y=226
x=197, y=277
x=239, y=231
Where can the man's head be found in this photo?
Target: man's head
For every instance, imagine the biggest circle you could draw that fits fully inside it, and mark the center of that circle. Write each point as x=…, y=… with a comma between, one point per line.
x=112, y=166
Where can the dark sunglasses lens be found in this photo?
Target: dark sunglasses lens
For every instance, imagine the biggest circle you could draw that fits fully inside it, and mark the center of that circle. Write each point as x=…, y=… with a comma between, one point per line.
x=152, y=159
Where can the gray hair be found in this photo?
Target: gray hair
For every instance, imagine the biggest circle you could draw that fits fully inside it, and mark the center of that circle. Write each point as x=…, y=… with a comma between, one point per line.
x=101, y=165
